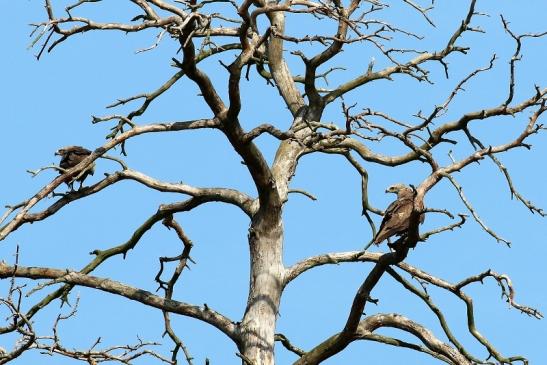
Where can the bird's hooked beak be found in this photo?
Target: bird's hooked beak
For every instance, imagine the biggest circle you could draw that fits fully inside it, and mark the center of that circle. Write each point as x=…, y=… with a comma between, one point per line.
x=57, y=153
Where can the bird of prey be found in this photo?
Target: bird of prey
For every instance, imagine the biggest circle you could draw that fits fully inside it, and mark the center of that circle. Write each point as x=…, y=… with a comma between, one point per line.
x=72, y=156
x=397, y=216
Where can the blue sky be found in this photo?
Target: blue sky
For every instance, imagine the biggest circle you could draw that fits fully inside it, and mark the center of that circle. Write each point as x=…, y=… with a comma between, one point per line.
x=48, y=104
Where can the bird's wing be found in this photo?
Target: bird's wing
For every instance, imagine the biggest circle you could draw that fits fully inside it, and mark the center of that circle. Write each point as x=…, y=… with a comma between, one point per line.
x=395, y=219
x=80, y=151
x=74, y=156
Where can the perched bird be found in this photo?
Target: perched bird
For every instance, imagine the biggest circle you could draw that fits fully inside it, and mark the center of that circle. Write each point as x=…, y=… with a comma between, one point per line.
x=72, y=156
x=397, y=216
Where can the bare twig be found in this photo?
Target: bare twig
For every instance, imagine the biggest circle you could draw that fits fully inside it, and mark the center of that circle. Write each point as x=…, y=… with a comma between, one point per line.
x=288, y=345
x=303, y=192
x=468, y=205
x=450, y=227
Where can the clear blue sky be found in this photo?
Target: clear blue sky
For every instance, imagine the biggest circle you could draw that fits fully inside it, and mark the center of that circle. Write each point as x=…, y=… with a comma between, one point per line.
x=48, y=104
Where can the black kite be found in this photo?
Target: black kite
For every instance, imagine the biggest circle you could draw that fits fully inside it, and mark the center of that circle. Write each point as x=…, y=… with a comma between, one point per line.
x=397, y=216
x=72, y=156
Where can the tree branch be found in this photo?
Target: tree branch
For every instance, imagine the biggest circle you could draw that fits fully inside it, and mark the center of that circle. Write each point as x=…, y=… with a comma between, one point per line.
x=23, y=211
x=204, y=314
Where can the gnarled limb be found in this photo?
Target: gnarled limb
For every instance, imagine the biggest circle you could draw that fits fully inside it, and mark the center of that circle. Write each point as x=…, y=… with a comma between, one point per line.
x=195, y=27
x=367, y=326
x=371, y=323
x=23, y=211
x=414, y=64
x=168, y=287
x=505, y=283
x=204, y=314
x=122, y=249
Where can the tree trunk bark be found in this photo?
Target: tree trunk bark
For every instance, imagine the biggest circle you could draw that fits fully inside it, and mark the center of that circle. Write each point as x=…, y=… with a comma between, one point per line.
x=258, y=325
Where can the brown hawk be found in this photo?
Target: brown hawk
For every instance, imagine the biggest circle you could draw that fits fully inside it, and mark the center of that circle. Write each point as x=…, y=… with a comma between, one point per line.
x=72, y=156
x=397, y=216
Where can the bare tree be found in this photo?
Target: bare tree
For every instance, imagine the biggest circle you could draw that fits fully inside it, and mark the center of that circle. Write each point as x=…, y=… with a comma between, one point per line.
x=249, y=39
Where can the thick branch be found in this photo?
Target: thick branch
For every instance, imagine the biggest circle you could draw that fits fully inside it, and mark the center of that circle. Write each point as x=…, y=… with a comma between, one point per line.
x=367, y=326
x=204, y=314
x=370, y=324
x=399, y=343
x=284, y=80
x=122, y=249
x=23, y=211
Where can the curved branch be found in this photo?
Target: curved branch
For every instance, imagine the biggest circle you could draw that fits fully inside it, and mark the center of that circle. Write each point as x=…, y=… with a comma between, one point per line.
x=301, y=267
x=437, y=135
x=407, y=67
x=363, y=294
x=440, y=316
x=229, y=196
x=122, y=249
x=336, y=258
x=267, y=128
x=288, y=345
x=23, y=211
x=473, y=211
x=204, y=314
x=507, y=290
x=168, y=287
x=371, y=323
x=449, y=227
x=21, y=324
x=514, y=192
x=456, y=290
x=340, y=341
x=366, y=327
x=399, y=343
x=150, y=97
x=279, y=69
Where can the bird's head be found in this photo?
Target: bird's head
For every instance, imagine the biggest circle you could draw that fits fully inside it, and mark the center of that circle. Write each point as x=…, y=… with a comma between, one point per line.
x=397, y=188
x=63, y=150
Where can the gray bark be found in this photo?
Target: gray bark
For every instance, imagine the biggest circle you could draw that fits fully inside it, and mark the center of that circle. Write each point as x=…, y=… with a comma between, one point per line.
x=258, y=325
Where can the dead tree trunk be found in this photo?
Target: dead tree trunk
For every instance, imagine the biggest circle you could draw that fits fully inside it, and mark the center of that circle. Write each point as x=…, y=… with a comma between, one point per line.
x=258, y=326
x=253, y=46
